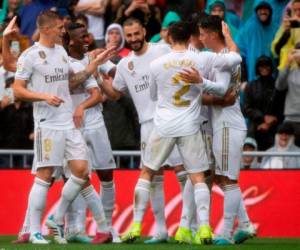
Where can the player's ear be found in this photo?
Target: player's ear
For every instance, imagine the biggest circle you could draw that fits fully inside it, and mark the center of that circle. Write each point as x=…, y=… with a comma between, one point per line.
x=144, y=32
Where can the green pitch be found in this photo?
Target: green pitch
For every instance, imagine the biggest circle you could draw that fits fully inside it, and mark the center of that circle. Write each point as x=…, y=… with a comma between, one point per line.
x=254, y=244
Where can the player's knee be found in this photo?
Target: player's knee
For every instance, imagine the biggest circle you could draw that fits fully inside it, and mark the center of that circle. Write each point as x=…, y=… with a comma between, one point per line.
x=147, y=173
x=45, y=174
x=80, y=169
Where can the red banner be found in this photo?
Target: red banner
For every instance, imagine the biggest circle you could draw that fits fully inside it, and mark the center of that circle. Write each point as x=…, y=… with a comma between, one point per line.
x=272, y=199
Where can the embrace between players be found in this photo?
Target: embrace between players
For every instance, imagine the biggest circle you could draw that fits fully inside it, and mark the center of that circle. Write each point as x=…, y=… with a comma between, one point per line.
x=188, y=107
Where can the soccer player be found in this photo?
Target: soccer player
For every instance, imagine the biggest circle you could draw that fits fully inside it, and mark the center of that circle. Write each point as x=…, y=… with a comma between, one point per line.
x=229, y=131
x=177, y=121
x=133, y=75
x=45, y=65
x=88, y=116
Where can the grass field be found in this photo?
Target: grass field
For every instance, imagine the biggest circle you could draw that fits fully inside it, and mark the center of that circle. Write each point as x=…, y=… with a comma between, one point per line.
x=254, y=244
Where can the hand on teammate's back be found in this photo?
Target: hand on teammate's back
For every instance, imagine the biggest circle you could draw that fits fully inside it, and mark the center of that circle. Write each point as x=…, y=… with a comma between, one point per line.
x=191, y=75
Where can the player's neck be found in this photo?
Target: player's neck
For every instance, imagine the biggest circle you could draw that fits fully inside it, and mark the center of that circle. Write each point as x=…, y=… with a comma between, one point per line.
x=218, y=47
x=75, y=54
x=179, y=46
x=142, y=50
x=46, y=42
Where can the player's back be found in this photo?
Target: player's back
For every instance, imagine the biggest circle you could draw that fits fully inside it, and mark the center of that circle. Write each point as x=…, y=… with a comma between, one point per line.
x=230, y=116
x=178, y=109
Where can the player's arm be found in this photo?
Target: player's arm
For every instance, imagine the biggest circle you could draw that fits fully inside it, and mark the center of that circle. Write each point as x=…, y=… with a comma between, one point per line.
x=9, y=60
x=228, y=38
x=75, y=79
x=108, y=89
x=94, y=99
x=96, y=7
x=219, y=87
x=22, y=93
x=227, y=100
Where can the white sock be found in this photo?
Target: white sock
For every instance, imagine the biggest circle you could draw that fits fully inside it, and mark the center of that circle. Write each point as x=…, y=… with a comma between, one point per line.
x=202, y=200
x=26, y=223
x=242, y=215
x=181, y=177
x=37, y=202
x=108, y=199
x=69, y=192
x=141, y=199
x=232, y=199
x=157, y=198
x=94, y=203
x=188, y=205
x=74, y=221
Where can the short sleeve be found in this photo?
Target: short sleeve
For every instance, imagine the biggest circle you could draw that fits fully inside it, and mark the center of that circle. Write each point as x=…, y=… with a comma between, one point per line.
x=24, y=67
x=105, y=68
x=119, y=82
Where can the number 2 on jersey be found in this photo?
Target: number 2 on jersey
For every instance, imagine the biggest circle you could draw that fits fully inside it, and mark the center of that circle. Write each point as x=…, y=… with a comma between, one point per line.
x=177, y=100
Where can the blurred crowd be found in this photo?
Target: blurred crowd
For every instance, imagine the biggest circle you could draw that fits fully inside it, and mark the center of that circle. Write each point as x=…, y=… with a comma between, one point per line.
x=266, y=32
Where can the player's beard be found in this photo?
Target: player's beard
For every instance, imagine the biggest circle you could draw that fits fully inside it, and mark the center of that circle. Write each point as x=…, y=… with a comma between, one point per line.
x=136, y=45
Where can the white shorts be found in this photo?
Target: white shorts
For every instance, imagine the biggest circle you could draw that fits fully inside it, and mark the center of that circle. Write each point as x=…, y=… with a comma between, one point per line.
x=227, y=146
x=174, y=159
x=99, y=149
x=52, y=147
x=208, y=143
x=191, y=149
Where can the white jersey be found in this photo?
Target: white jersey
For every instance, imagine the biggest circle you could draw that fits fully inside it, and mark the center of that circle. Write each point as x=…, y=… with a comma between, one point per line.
x=230, y=116
x=93, y=117
x=178, y=108
x=133, y=74
x=47, y=70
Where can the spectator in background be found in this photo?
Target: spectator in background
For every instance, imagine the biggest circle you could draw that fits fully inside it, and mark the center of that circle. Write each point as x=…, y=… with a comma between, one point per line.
x=259, y=104
x=170, y=18
x=218, y=8
x=110, y=14
x=114, y=36
x=288, y=34
x=289, y=79
x=94, y=10
x=284, y=142
x=29, y=12
x=249, y=162
x=9, y=9
x=255, y=37
x=148, y=13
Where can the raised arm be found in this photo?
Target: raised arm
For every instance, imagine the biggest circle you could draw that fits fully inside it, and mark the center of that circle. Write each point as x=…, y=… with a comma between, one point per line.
x=108, y=89
x=9, y=60
x=75, y=79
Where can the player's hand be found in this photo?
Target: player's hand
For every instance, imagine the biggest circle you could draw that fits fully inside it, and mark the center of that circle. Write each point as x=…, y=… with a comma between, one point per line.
x=78, y=116
x=230, y=97
x=270, y=119
x=11, y=29
x=264, y=127
x=226, y=30
x=54, y=100
x=191, y=75
x=105, y=55
x=5, y=102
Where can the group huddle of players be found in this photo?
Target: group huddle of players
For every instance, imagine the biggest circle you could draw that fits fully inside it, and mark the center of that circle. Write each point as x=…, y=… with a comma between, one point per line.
x=188, y=107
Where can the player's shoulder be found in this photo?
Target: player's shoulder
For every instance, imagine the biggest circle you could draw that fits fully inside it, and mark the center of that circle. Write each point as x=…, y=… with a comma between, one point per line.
x=161, y=47
x=32, y=50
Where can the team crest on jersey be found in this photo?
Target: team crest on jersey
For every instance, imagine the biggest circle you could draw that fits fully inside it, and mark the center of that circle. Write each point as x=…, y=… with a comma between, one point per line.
x=42, y=54
x=130, y=65
x=64, y=60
